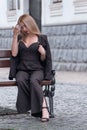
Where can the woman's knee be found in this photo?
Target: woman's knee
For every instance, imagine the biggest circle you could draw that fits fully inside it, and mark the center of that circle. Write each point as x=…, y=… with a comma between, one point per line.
x=36, y=78
x=21, y=77
x=34, y=82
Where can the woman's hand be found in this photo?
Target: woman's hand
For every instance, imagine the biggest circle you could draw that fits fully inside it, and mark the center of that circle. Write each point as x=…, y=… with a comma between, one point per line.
x=16, y=30
x=42, y=52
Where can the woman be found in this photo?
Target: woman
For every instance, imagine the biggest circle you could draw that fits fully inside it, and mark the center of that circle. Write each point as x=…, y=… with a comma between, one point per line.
x=31, y=51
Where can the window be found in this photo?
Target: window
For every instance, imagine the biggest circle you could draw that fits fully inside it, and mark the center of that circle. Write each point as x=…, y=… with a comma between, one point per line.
x=11, y=10
x=55, y=8
x=80, y=6
x=11, y=4
x=57, y=1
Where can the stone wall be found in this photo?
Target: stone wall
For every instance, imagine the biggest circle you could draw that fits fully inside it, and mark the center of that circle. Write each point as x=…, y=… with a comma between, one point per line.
x=5, y=38
x=68, y=46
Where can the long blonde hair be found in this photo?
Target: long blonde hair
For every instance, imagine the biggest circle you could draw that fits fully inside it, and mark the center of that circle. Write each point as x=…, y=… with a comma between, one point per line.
x=29, y=23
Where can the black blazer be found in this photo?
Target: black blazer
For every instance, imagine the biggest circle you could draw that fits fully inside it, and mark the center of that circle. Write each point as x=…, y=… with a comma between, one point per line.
x=47, y=63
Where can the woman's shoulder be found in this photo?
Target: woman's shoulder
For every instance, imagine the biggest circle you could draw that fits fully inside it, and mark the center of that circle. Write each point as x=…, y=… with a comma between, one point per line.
x=43, y=36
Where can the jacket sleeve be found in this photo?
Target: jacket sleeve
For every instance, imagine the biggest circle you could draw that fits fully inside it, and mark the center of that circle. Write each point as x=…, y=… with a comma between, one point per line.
x=48, y=61
x=13, y=65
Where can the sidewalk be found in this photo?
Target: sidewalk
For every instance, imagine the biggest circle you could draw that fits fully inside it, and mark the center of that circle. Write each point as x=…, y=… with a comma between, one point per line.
x=71, y=77
x=70, y=105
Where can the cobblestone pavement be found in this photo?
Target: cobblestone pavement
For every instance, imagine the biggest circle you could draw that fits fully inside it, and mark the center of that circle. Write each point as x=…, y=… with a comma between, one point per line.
x=70, y=108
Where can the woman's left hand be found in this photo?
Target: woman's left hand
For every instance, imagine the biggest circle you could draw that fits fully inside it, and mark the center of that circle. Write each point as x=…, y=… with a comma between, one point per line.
x=42, y=52
x=41, y=49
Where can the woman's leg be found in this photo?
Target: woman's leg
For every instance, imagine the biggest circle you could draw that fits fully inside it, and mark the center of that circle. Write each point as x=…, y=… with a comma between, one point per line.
x=38, y=102
x=36, y=93
x=23, y=103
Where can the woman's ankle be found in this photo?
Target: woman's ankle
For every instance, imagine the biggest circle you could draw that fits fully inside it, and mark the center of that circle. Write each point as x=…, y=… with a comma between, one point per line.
x=45, y=112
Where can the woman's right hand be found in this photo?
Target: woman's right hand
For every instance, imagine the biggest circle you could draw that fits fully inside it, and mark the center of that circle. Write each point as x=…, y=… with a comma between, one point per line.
x=16, y=30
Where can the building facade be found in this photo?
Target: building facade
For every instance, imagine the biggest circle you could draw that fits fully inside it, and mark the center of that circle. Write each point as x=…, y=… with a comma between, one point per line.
x=64, y=22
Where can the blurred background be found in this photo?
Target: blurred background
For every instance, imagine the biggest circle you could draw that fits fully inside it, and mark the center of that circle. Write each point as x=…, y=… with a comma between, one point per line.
x=63, y=21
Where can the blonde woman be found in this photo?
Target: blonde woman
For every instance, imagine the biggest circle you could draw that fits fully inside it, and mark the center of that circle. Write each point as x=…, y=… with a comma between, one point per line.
x=31, y=60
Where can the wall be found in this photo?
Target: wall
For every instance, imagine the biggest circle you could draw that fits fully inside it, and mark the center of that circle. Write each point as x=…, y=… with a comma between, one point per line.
x=66, y=28
x=68, y=46
x=69, y=11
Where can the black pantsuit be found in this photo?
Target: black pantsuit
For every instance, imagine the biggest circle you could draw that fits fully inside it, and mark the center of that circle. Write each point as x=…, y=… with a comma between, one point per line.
x=30, y=93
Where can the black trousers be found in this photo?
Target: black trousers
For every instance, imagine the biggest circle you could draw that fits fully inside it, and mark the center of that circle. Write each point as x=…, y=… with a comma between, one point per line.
x=30, y=93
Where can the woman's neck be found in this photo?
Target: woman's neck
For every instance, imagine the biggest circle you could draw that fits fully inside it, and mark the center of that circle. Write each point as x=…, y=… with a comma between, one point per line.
x=30, y=38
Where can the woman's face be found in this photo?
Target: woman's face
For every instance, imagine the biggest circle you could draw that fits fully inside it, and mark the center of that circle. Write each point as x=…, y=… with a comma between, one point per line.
x=23, y=29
